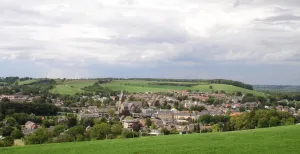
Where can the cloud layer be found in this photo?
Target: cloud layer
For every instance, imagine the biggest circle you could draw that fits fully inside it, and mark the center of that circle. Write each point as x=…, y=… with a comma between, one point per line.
x=247, y=40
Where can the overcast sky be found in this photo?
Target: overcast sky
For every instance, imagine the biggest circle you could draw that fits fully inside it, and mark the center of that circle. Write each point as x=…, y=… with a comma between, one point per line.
x=254, y=41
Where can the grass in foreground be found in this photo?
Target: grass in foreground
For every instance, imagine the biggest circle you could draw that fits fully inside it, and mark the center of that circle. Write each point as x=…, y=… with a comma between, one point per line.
x=275, y=140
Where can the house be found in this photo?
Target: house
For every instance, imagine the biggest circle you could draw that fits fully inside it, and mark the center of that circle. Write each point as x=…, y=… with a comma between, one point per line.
x=128, y=123
x=182, y=115
x=130, y=106
x=251, y=105
x=88, y=115
x=165, y=114
x=148, y=112
x=182, y=129
x=92, y=109
x=155, y=132
x=31, y=125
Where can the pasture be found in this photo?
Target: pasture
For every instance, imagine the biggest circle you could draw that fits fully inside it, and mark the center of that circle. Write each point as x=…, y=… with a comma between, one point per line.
x=156, y=86
x=71, y=87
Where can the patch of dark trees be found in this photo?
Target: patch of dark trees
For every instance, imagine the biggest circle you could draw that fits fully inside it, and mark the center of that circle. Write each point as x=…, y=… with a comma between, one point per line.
x=7, y=108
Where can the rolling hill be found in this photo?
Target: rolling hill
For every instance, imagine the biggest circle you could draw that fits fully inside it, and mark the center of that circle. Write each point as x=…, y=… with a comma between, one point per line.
x=72, y=87
x=274, y=140
x=155, y=86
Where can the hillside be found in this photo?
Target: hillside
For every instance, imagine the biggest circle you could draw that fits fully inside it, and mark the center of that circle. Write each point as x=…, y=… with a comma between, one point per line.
x=76, y=86
x=154, y=86
x=71, y=87
x=284, y=139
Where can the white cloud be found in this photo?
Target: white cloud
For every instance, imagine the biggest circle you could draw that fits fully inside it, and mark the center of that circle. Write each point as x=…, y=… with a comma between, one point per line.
x=76, y=33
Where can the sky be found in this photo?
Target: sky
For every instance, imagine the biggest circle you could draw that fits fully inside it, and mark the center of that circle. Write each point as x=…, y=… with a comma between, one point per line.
x=253, y=41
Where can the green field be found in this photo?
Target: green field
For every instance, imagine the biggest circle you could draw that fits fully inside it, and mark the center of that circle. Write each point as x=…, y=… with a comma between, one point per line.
x=71, y=87
x=3, y=83
x=154, y=86
x=277, y=140
x=27, y=81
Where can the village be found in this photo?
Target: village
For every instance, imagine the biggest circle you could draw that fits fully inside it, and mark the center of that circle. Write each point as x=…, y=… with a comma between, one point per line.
x=175, y=111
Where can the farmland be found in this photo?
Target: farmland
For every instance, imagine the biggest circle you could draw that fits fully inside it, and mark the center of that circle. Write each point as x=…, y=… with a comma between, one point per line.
x=155, y=86
x=71, y=87
x=285, y=139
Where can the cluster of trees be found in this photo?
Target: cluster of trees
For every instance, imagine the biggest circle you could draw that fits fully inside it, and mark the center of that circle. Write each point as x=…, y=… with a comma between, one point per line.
x=9, y=80
x=85, y=130
x=10, y=127
x=7, y=108
x=197, y=108
x=40, y=87
x=248, y=120
x=261, y=119
x=99, y=90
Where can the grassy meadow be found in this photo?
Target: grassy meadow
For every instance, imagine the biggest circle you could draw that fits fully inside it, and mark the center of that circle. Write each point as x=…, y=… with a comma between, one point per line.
x=276, y=140
x=155, y=86
x=71, y=87
x=27, y=81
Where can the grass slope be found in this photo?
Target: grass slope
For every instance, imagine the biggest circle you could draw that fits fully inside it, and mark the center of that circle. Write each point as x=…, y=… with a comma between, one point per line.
x=153, y=86
x=71, y=87
x=270, y=140
x=27, y=81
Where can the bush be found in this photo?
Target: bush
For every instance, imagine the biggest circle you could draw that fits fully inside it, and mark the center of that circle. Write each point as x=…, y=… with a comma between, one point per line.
x=40, y=136
x=6, y=142
x=16, y=134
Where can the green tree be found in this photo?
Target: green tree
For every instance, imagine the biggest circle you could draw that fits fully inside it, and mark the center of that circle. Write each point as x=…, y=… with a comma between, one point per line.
x=205, y=119
x=88, y=122
x=238, y=93
x=148, y=122
x=274, y=121
x=100, y=131
x=76, y=132
x=165, y=131
x=58, y=129
x=111, y=112
x=6, y=130
x=40, y=136
x=72, y=121
x=290, y=121
x=8, y=141
x=216, y=128
x=262, y=123
x=116, y=129
x=10, y=121
x=16, y=134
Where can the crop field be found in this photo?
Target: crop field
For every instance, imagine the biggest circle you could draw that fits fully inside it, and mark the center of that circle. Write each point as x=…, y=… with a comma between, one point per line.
x=155, y=86
x=71, y=87
x=276, y=140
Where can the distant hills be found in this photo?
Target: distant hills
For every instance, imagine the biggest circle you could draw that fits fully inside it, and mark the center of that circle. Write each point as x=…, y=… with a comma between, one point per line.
x=277, y=88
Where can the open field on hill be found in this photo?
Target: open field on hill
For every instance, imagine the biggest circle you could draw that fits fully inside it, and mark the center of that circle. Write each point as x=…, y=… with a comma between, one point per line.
x=275, y=140
x=154, y=86
x=71, y=87
x=28, y=81
x=4, y=83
